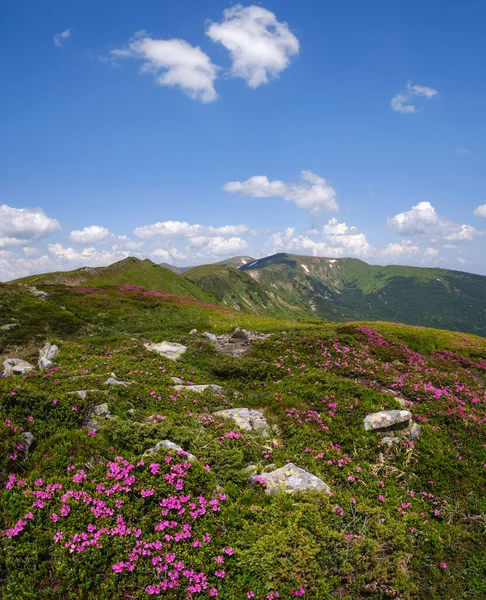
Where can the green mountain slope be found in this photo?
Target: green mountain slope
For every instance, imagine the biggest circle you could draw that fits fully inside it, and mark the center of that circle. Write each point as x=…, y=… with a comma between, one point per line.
x=239, y=291
x=350, y=289
x=130, y=271
x=235, y=261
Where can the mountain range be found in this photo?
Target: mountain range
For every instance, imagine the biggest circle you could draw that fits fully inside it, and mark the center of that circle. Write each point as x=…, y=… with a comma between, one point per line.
x=306, y=288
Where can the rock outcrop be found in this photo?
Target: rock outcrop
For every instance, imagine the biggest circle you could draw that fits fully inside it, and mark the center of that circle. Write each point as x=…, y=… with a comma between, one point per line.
x=247, y=419
x=199, y=389
x=291, y=479
x=169, y=350
x=392, y=425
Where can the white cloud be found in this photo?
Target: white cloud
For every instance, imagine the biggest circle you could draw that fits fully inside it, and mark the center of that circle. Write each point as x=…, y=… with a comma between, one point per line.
x=174, y=63
x=423, y=220
x=339, y=240
x=397, y=251
x=183, y=230
x=260, y=46
x=431, y=253
x=94, y=234
x=480, y=211
x=219, y=246
x=315, y=194
x=403, y=101
x=60, y=38
x=19, y=226
x=168, y=254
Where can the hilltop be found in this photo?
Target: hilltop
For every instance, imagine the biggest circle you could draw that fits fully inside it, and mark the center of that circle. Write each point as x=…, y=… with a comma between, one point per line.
x=129, y=271
x=341, y=289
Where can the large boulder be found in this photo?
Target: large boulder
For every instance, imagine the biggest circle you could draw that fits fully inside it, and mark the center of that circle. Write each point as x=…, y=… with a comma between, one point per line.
x=170, y=350
x=168, y=445
x=291, y=479
x=199, y=389
x=392, y=425
x=247, y=419
x=17, y=366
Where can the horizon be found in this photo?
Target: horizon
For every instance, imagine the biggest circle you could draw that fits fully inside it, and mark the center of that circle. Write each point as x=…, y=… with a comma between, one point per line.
x=170, y=266
x=192, y=133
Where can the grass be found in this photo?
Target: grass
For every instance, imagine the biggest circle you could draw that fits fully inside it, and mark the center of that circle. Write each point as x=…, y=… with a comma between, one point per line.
x=403, y=522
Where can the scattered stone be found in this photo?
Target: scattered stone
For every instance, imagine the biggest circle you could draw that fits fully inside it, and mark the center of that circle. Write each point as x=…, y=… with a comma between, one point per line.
x=210, y=336
x=83, y=393
x=193, y=332
x=177, y=380
x=46, y=356
x=9, y=326
x=27, y=441
x=392, y=424
x=290, y=479
x=16, y=366
x=248, y=419
x=390, y=441
x=236, y=343
x=415, y=432
x=199, y=389
x=114, y=381
x=170, y=350
x=251, y=469
x=102, y=411
x=386, y=418
x=38, y=293
x=167, y=444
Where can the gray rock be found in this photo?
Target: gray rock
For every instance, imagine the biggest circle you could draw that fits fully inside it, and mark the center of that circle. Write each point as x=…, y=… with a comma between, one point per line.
x=27, y=441
x=199, y=389
x=247, y=419
x=9, y=326
x=46, y=356
x=290, y=479
x=96, y=416
x=17, y=366
x=415, y=432
x=386, y=418
x=251, y=469
x=38, y=293
x=390, y=441
x=210, y=336
x=114, y=381
x=193, y=332
x=45, y=363
x=177, y=380
x=169, y=350
x=168, y=445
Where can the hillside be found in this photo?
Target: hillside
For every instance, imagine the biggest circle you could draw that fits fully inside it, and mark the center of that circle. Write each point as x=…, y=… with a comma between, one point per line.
x=118, y=481
x=129, y=271
x=350, y=289
x=235, y=261
x=239, y=291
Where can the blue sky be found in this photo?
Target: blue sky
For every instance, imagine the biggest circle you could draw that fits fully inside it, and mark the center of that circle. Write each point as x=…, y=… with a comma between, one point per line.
x=191, y=131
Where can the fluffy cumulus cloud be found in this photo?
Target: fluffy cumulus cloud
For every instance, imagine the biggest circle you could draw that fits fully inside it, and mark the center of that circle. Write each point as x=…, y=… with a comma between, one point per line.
x=423, y=220
x=313, y=194
x=336, y=239
x=94, y=234
x=19, y=226
x=260, y=46
x=182, y=230
x=397, y=251
x=60, y=38
x=404, y=101
x=480, y=211
x=173, y=63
